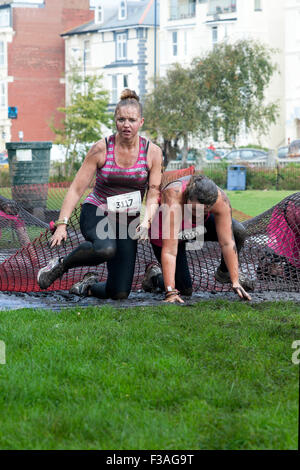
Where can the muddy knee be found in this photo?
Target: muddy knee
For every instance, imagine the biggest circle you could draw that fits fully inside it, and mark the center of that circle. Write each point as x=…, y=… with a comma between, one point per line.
x=188, y=291
x=106, y=251
x=239, y=232
x=120, y=296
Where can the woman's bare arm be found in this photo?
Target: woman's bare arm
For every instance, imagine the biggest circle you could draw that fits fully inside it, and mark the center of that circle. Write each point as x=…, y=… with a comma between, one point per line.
x=171, y=225
x=223, y=220
x=153, y=192
x=94, y=158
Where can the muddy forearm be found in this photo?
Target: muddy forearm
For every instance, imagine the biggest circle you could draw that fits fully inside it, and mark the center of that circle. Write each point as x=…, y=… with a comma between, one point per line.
x=229, y=252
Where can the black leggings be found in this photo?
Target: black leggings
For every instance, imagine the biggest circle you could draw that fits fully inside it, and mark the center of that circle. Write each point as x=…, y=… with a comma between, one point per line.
x=119, y=254
x=183, y=280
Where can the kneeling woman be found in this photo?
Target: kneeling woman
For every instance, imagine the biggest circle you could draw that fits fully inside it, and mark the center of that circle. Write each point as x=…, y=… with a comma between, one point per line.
x=123, y=164
x=191, y=193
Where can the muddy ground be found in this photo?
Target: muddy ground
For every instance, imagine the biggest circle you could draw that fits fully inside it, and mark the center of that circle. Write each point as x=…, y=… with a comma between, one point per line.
x=59, y=300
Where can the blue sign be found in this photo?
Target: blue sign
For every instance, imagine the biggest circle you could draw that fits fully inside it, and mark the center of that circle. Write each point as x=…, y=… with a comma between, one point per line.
x=12, y=112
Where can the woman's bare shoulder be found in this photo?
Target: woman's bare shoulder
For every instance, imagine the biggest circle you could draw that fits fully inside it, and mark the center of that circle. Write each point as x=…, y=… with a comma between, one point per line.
x=173, y=192
x=97, y=151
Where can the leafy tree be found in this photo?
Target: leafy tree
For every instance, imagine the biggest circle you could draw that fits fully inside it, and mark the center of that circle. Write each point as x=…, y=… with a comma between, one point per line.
x=170, y=110
x=83, y=118
x=231, y=83
x=220, y=95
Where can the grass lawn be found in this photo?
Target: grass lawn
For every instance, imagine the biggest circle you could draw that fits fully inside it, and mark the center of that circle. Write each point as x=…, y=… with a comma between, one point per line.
x=214, y=375
x=254, y=202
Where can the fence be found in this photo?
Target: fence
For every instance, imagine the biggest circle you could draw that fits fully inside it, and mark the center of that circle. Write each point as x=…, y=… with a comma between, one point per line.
x=285, y=175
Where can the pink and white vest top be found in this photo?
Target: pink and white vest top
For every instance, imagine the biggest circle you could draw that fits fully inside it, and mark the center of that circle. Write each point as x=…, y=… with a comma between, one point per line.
x=112, y=179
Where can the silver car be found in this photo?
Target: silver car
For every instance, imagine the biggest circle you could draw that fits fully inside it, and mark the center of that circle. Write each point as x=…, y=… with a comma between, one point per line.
x=245, y=155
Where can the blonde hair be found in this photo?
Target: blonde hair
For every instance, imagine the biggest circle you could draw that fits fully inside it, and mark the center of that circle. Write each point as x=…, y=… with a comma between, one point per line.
x=129, y=98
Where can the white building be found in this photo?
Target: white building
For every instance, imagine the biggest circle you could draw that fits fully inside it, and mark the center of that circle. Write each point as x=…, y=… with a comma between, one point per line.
x=189, y=28
x=6, y=35
x=120, y=44
x=292, y=69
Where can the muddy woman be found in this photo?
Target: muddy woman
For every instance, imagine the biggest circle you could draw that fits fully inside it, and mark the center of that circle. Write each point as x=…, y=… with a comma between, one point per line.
x=188, y=202
x=125, y=165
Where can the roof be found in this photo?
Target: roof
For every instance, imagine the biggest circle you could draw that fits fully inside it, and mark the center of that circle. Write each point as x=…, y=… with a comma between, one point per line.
x=139, y=13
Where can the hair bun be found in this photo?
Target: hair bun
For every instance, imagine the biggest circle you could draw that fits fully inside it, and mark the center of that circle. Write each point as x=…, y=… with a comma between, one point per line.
x=129, y=94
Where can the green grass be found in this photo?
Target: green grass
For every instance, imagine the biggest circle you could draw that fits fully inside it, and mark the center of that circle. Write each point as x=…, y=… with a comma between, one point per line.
x=215, y=375
x=254, y=202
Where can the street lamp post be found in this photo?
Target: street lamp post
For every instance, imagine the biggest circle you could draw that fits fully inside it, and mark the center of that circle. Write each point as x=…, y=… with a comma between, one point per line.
x=155, y=41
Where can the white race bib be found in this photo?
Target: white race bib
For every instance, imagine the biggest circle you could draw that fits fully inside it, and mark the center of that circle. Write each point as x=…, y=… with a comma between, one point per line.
x=128, y=202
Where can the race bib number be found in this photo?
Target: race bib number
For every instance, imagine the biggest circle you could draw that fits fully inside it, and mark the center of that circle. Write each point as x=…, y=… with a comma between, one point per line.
x=129, y=202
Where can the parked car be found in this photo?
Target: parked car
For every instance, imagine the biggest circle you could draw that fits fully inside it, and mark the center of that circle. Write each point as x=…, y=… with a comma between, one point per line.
x=191, y=156
x=211, y=154
x=222, y=151
x=245, y=155
x=282, y=152
x=3, y=161
x=294, y=149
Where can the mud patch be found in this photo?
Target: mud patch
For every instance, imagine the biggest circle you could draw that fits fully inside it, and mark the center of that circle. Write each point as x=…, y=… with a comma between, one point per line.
x=60, y=300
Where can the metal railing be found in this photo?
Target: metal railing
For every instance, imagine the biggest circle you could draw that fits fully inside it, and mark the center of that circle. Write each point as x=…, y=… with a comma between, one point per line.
x=177, y=164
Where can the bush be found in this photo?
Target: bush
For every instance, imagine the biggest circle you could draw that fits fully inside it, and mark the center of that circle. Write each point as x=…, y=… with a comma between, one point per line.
x=217, y=172
x=278, y=178
x=261, y=178
x=4, y=179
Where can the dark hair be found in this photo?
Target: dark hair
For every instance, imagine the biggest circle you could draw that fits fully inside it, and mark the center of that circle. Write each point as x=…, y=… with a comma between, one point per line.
x=129, y=98
x=201, y=189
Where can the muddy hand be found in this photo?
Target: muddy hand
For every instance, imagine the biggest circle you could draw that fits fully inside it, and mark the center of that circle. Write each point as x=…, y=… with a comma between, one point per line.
x=59, y=236
x=174, y=298
x=238, y=289
x=141, y=233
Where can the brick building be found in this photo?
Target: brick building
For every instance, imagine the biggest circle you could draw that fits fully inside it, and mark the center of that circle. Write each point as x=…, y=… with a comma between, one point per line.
x=32, y=70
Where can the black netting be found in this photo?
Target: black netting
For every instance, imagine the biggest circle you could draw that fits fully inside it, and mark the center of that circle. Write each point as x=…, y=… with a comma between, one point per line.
x=270, y=255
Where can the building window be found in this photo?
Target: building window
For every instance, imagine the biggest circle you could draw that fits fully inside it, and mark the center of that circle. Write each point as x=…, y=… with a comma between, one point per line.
x=98, y=14
x=257, y=5
x=3, y=95
x=221, y=6
x=4, y=17
x=125, y=81
x=123, y=10
x=214, y=32
x=182, y=9
x=121, y=46
x=39, y=2
x=2, y=54
x=114, y=89
x=175, y=43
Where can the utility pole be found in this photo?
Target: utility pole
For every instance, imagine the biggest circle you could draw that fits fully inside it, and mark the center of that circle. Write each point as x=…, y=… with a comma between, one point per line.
x=155, y=41
x=84, y=68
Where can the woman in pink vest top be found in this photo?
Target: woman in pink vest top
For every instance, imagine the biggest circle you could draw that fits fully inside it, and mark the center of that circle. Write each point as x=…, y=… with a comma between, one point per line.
x=193, y=206
x=125, y=165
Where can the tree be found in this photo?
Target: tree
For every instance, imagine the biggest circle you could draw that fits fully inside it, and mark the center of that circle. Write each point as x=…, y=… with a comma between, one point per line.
x=220, y=95
x=83, y=118
x=170, y=111
x=231, y=83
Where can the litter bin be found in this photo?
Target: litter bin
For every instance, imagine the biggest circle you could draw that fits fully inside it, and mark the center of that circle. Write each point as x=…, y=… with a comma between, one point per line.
x=29, y=168
x=236, y=177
